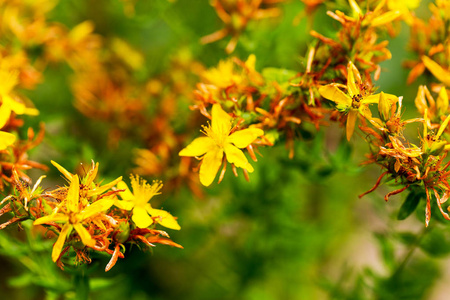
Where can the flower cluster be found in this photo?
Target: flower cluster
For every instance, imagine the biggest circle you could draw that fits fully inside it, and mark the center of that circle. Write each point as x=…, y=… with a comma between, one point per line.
x=88, y=216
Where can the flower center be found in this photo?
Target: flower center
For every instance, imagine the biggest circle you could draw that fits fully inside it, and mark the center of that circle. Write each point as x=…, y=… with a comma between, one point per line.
x=356, y=100
x=218, y=137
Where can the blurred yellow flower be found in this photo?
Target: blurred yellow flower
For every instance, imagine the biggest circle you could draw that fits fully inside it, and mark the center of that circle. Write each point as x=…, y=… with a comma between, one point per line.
x=437, y=70
x=138, y=202
x=7, y=82
x=219, y=140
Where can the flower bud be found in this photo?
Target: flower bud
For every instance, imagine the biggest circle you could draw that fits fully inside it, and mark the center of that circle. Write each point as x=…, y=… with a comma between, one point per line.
x=384, y=108
x=122, y=233
x=437, y=148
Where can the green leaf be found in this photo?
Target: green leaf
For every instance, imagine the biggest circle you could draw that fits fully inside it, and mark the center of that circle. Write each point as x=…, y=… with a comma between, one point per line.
x=436, y=243
x=410, y=205
x=22, y=280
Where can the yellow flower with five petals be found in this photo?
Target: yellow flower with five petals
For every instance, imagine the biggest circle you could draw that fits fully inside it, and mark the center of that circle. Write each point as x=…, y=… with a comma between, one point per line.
x=138, y=203
x=220, y=140
x=357, y=99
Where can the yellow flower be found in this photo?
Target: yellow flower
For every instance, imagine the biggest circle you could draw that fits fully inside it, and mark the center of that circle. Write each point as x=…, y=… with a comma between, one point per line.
x=6, y=138
x=138, y=202
x=74, y=215
x=431, y=143
x=377, y=17
x=89, y=188
x=219, y=140
x=7, y=82
x=355, y=101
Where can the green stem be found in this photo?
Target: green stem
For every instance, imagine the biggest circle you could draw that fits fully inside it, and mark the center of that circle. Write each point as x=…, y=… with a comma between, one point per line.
x=413, y=247
x=81, y=283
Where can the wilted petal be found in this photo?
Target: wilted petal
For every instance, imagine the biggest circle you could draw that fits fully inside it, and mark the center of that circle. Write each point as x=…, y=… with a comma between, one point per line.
x=57, y=248
x=245, y=137
x=198, y=147
x=221, y=121
x=6, y=139
x=141, y=218
x=210, y=165
x=237, y=157
x=333, y=93
x=165, y=218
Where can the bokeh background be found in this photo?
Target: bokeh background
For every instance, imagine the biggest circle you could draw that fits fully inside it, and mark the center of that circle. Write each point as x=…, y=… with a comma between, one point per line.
x=297, y=230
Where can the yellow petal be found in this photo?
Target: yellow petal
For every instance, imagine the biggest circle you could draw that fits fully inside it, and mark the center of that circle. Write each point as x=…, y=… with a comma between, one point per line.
x=99, y=206
x=6, y=139
x=125, y=195
x=333, y=93
x=442, y=127
x=66, y=173
x=355, y=7
x=5, y=113
x=17, y=107
x=439, y=72
x=84, y=235
x=57, y=248
x=221, y=121
x=351, y=121
x=237, y=157
x=384, y=18
x=51, y=218
x=141, y=218
x=353, y=78
x=245, y=137
x=73, y=195
x=92, y=173
x=126, y=205
x=81, y=31
x=8, y=81
x=31, y=111
x=165, y=218
x=198, y=147
x=442, y=101
x=210, y=165
x=372, y=98
x=101, y=189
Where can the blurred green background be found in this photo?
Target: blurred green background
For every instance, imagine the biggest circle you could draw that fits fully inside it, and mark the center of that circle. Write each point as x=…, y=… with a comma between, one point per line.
x=297, y=230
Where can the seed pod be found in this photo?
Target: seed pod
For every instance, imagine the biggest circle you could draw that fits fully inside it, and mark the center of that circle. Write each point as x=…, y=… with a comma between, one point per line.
x=122, y=233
